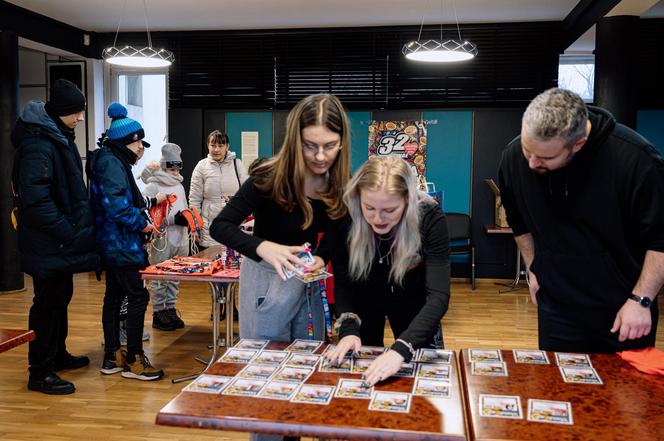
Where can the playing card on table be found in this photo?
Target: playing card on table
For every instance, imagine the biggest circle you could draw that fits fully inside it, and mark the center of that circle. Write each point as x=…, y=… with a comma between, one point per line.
x=209, y=384
x=271, y=357
x=390, y=401
x=344, y=366
x=258, y=371
x=431, y=388
x=530, y=357
x=300, y=345
x=313, y=394
x=581, y=375
x=360, y=365
x=248, y=343
x=350, y=388
x=406, y=370
x=369, y=352
x=293, y=374
x=484, y=355
x=500, y=406
x=434, y=371
x=244, y=387
x=426, y=355
x=302, y=359
x=278, y=390
x=490, y=368
x=570, y=359
x=233, y=355
x=544, y=411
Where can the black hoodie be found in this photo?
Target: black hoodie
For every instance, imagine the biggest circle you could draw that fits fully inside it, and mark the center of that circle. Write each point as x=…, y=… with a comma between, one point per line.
x=594, y=219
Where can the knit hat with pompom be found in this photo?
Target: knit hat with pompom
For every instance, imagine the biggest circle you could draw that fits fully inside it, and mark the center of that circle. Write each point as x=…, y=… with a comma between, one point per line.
x=122, y=128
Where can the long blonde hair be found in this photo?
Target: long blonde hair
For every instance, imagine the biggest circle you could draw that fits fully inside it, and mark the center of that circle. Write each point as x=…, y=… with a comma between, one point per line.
x=283, y=175
x=391, y=174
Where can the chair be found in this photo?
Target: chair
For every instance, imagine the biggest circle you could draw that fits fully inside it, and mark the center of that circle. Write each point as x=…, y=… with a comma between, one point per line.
x=461, y=242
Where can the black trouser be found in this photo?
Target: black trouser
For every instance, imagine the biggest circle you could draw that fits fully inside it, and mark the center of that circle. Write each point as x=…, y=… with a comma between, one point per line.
x=120, y=282
x=48, y=318
x=565, y=328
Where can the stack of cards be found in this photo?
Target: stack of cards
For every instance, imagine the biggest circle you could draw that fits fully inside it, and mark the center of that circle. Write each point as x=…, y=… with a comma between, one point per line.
x=577, y=368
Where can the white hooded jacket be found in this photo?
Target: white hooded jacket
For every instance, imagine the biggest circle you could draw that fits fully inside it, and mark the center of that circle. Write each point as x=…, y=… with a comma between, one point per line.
x=158, y=181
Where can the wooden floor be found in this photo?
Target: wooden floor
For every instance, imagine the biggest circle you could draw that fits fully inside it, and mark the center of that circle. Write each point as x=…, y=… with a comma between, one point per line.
x=119, y=409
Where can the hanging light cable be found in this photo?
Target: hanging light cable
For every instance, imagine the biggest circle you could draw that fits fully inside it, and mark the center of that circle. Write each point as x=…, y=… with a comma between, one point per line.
x=439, y=50
x=129, y=56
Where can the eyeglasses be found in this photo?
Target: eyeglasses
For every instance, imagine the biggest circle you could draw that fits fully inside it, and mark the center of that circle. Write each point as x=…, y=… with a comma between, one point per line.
x=313, y=149
x=174, y=164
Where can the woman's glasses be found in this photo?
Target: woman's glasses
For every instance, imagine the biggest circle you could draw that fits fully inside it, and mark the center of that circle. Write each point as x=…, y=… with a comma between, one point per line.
x=311, y=148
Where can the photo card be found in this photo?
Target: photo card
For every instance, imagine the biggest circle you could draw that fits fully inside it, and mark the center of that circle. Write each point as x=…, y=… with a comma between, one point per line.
x=545, y=411
x=234, y=355
x=351, y=388
x=489, y=368
x=314, y=394
x=434, y=371
x=527, y=356
x=278, y=390
x=500, y=406
x=390, y=401
x=208, y=384
x=426, y=355
x=431, y=388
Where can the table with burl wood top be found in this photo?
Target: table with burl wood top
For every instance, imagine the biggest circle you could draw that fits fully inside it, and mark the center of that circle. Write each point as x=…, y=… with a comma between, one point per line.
x=10, y=338
x=343, y=418
x=629, y=405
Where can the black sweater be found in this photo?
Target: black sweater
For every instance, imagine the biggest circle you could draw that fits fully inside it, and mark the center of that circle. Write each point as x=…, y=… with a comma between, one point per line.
x=271, y=222
x=427, y=284
x=594, y=219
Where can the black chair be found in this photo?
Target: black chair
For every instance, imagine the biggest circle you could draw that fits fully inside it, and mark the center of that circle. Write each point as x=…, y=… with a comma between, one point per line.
x=461, y=242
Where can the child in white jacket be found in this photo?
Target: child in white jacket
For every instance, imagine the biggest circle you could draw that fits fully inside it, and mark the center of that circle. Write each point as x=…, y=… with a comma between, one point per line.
x=173, y=239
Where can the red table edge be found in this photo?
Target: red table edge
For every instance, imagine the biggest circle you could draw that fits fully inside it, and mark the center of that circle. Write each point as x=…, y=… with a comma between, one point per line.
x=17, y=340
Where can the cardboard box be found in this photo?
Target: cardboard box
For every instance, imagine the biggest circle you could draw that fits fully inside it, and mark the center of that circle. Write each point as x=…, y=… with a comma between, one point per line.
x=500, y=217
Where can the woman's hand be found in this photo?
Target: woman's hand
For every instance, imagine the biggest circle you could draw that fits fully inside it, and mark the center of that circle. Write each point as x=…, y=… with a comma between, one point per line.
x=350, y=343
x=280, y=256
x=383, y=367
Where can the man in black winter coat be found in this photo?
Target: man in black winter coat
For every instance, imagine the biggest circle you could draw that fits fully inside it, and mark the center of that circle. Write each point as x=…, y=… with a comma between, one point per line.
x=55, y=227
x=585, y=198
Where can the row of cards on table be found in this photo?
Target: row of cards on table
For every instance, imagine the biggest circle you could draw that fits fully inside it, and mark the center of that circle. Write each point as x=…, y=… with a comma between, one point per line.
x=509, y=406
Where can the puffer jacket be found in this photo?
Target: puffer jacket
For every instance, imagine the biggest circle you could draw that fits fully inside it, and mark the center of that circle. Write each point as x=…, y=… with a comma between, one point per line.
x=55, y=223
x=210, y=182
x=119, y=221
x=158, y=181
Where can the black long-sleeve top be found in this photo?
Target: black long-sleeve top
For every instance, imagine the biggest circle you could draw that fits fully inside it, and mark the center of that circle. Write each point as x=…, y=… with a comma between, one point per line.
x=271, y=222
x=427, y=283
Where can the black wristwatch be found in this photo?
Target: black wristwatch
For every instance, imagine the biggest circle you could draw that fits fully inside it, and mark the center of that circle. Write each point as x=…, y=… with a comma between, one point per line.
x=643, y=301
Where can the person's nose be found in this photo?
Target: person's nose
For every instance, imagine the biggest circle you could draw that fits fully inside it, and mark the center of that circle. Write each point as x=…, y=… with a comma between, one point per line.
x=320, y=154
x=533, y=162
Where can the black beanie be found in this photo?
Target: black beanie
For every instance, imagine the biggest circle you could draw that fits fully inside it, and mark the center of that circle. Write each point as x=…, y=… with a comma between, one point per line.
x=65, y=99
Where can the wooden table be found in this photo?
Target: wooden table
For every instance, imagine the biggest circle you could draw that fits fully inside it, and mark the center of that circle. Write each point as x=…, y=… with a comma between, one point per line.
x=629, y=405
x=514, y=284
x=10, y=338
x=344, y=418
x=220, y=293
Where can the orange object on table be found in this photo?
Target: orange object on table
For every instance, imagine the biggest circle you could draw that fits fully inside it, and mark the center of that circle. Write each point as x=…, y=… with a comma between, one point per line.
x=648, y=360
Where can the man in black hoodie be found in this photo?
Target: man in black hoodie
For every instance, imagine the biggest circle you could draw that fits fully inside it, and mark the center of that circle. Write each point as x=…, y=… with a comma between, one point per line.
x=55, y=227
x=585, y=198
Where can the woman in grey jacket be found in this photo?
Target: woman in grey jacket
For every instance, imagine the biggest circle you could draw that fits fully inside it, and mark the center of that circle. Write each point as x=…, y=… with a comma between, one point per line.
x=215, y=179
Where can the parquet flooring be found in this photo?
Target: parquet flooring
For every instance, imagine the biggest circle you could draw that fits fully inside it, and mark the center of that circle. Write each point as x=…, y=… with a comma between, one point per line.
x=118, y=409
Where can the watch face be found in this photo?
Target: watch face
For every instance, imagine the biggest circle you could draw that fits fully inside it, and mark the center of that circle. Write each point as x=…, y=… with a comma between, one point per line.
x=645, y=302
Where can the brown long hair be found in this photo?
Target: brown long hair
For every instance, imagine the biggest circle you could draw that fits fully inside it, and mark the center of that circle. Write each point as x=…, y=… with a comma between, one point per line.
x=283, y=175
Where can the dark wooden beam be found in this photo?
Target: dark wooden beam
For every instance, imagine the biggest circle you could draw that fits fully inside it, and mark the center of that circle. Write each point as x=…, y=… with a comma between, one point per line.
x=584, y=15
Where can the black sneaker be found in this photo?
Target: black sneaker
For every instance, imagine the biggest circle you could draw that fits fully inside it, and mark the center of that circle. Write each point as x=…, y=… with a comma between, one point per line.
x=69, y=361
x=113, y=362
x=52, y=385
x=162, y=320
x=175, y=318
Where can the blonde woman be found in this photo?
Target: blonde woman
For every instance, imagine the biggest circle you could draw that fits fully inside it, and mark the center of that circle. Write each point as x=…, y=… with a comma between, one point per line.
x=292, y=197
x=395, y=264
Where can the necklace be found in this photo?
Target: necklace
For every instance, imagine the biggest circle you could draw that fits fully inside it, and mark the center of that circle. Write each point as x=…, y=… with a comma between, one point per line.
x=384, y=257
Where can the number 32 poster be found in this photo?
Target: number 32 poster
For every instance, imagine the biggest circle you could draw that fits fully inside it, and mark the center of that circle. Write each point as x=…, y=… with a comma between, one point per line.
x=407, y=139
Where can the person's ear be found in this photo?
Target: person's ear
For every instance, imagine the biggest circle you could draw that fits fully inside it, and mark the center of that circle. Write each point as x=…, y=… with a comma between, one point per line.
x=578, y=144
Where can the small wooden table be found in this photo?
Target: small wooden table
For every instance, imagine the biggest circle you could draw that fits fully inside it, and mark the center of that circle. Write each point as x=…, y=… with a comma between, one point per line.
x=429, y=419
x=629, y=405
x=10, y=338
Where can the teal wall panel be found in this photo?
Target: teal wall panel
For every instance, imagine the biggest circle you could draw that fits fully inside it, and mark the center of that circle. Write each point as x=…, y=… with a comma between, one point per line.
x=261, y=122
x=650, y=123
x=449, y=156
x=359, y=138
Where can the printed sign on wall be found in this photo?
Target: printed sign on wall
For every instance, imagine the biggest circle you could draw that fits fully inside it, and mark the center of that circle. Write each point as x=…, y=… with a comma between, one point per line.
x=407, y=139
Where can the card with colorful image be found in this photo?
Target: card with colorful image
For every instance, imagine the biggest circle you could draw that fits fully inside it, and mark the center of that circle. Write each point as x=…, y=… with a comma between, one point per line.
x=303, y=359
x=390, y=401
x=301, y=345
x=233, y=355
x=360, y=365
x=571, y=359
x=278, y=390
x=526, y=356
x=249, y=343
x=258, y=371
x=306, y=257
x=314, y=394
x=344, y=366
x=208, y=384
x=580, y=375
x=369, y=352
x=406, y=370
x=433, y=371
x=245, y=387
x=489, y=368
x=313, y=276
x=484, y=355
x=545, y=411
x=271, y=357
x=431, y=388
x=293, y=374
x=500, y=406
x=426, y=355
x=351, y=388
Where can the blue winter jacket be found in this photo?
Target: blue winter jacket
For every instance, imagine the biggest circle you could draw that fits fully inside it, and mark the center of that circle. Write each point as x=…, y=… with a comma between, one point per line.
x=119, y=221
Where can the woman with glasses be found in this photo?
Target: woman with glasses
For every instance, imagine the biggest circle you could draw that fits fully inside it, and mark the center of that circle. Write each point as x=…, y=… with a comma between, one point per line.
x=390, y=258
x=214, y=180
x=292, y=196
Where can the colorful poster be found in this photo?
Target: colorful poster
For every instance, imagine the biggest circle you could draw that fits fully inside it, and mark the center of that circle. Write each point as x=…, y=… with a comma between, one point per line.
x=407, y=139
